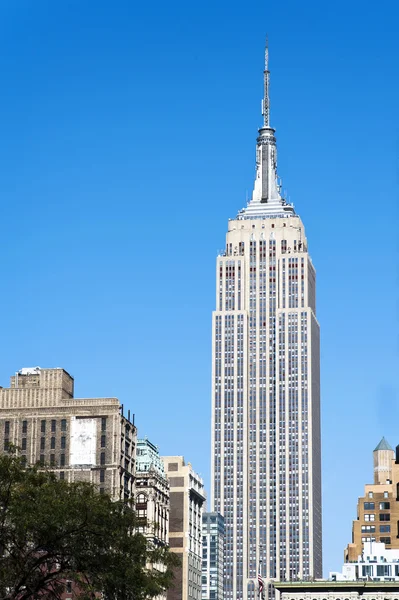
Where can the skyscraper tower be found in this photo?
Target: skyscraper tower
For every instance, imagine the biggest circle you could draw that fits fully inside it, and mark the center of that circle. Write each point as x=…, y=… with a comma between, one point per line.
x=266, y=467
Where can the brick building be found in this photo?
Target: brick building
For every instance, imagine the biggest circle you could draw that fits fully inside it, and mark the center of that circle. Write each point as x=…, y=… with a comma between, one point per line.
x=85, y=439
x=378, y=509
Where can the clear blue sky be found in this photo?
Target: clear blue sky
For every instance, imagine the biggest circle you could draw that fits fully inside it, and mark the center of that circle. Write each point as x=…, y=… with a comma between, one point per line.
x=128, y=140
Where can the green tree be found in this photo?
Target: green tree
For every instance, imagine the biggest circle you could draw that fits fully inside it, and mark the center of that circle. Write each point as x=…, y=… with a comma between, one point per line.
x=52, y=532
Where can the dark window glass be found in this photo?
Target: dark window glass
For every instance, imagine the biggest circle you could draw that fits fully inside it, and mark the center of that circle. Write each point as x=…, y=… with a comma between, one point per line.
x=52, y=460
x=385, y=529
x=23, y=444
x=63, y=442
x=384, y=505
x=43, y=427
x=7, y=427
x=42, y=443
x=103, y=423
x=103, y=441
x=52, y=443
x=369, y=506
x=385, y=517
x=62, y=460
x=53, y=425
x=69, y=587
x=102, y=458
x=63, y=424
x=41, y=460
x=24, y=426
x=23, y=461
x=385, y=540
x=101, y=490
x=62, y=475
x=6, y=443
x=102, y=476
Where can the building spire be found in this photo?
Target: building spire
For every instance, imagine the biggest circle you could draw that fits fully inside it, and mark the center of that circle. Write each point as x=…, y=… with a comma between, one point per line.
x=266, y=200
x=266, y=76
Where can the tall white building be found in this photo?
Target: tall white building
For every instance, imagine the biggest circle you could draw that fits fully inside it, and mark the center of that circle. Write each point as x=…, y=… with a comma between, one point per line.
x=266, y=471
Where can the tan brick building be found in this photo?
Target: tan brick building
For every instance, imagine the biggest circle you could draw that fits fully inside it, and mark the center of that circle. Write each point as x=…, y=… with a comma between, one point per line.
x=187, y=498
x=378, y=510
x=85, y=439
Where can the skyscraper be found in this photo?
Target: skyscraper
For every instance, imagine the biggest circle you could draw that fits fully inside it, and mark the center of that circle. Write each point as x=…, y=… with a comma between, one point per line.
x=266, y=467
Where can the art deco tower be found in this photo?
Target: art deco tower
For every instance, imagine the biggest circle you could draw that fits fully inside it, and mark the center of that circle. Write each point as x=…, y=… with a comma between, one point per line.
x=266, y=471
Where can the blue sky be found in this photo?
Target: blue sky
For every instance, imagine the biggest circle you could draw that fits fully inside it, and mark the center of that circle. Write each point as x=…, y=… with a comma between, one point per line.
x=128, y=140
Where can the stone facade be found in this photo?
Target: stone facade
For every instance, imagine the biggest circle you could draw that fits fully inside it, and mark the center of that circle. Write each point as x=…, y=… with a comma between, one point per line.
x=337, y=590
x=87, y=439
x=187, y=498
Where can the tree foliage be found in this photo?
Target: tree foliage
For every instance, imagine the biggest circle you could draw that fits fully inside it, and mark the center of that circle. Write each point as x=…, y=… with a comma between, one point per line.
x=52, y=531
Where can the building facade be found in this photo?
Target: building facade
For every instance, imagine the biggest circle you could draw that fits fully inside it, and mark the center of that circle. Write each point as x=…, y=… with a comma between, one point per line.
x=187, y=498
x=266, y=463
x=338, y=590
x=152, y=494
x=376, y=562
x=378, y=509
x=212, y=556
x=86, y=439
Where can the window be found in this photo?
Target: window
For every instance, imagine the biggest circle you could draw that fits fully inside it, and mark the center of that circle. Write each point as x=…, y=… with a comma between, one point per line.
x=6, y=443
x=52, y=443
x=367, y=528
x=62, y=460
x=63, y=442
x=385, y=494
x=103, y=423
x=69, y=587
x=370, y=494
x=53, y=425
x=63, y=424
x=42, y=443
x=385, y=517
x=52, y=460
x=41, y=460
x=102, y=458
x=102, y=490
x=7, y=428
x=385, y=540
x=383, y=570
x=385, y=529
x=102, y=476
x=103, y=441
x=385, y=505
x=23, y=447
x=369, y=506
x=62, y=475
x=24, y=426
x=43, y=427
x=369, y=517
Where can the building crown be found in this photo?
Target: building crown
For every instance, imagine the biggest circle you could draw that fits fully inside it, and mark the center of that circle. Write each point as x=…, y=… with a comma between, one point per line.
x=266, y=200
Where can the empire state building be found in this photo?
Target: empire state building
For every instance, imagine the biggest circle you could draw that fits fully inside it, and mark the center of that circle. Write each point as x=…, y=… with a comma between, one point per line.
x=266, y=463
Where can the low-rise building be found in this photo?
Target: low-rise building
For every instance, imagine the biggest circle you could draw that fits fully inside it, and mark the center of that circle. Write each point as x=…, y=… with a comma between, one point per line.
x=376, y=562
x=85, y=439
x=337, y=590
x=187, y=498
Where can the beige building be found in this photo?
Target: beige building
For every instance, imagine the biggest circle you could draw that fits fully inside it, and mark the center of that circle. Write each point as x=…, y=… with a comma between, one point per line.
x=378, y=509
x=265, y=444
x=85, y=439
x=187, y=498
x=337, y=590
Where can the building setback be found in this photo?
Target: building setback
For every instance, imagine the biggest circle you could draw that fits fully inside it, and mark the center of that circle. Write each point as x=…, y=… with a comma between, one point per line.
x=266, y=450
x=378, y=509
x=187, y=498
x=86, y=439
x=212, y=556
